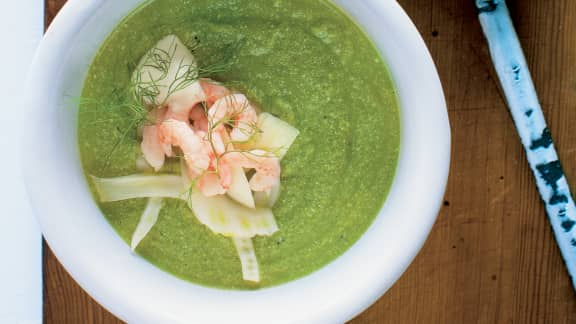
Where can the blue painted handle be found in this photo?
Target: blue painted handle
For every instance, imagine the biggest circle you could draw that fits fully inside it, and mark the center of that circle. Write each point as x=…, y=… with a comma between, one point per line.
x=518, y=87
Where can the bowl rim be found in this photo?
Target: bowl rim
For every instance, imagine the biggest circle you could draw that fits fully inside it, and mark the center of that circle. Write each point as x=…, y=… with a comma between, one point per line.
x=425, y=146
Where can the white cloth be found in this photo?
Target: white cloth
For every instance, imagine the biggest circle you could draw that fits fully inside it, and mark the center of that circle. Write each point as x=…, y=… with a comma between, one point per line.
x=21, y=27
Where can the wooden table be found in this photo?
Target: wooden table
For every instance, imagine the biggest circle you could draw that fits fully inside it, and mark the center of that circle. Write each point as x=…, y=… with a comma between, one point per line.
x=491, y=257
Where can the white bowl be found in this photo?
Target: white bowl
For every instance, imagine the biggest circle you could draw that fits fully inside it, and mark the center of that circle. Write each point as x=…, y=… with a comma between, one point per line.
x=137, y=291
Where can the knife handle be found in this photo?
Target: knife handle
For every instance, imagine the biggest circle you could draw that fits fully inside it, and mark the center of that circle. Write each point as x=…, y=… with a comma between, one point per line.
x=516, y=82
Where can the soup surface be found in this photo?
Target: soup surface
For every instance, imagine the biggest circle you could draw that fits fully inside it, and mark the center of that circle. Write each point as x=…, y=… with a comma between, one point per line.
x=304, y=61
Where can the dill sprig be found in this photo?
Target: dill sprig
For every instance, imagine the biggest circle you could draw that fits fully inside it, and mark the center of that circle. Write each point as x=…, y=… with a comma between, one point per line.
x=132, y=107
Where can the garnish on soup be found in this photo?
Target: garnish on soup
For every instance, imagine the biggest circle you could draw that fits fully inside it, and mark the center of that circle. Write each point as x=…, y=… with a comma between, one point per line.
x=229, y=152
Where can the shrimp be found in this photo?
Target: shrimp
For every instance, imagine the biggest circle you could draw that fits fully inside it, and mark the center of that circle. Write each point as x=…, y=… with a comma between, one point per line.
x=199, y=118
x=237, y=110
x=267, y=174
x=213, y=91
x=193, y=146
x=217, y=144
x=209, y=184
x=267, y=167
x=218, y=179
x=152, y=147
x=187, y=104
x=158, y=115
x=180, y=104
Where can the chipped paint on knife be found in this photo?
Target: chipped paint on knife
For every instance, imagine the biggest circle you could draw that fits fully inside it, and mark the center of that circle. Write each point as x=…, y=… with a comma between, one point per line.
x=512, y=70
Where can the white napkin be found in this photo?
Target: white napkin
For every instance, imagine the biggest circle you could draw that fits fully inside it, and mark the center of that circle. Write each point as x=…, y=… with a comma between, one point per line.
x=21, y=27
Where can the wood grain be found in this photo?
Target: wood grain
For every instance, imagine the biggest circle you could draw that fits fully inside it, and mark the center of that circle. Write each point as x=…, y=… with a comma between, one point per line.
x=491, y=257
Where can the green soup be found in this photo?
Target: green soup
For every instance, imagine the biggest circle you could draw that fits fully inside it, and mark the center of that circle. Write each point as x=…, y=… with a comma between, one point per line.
x=304, y=61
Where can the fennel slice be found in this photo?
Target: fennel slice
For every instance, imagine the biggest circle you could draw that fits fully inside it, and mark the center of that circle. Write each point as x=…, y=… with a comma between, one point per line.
x=247, y=255
x=167, y=70
x=267, y=198
x=274, y=135
x=240, y=188
x=147, y=221
x=139, y=186
x=224, y=216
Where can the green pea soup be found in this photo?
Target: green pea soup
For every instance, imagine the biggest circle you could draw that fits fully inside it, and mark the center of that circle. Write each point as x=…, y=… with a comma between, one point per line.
x=304, y=61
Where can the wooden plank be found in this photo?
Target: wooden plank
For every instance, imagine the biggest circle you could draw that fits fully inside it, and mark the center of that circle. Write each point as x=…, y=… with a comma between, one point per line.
x=491, y=257
x=64, y=301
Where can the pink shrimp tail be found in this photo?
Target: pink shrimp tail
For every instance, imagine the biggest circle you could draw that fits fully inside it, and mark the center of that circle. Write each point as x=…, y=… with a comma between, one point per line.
x=178, y=133
x=267, y=168
x=152, y=148
x=267, y=175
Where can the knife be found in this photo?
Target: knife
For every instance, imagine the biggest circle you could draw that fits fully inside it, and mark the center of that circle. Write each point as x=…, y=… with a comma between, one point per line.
x=510, y=65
